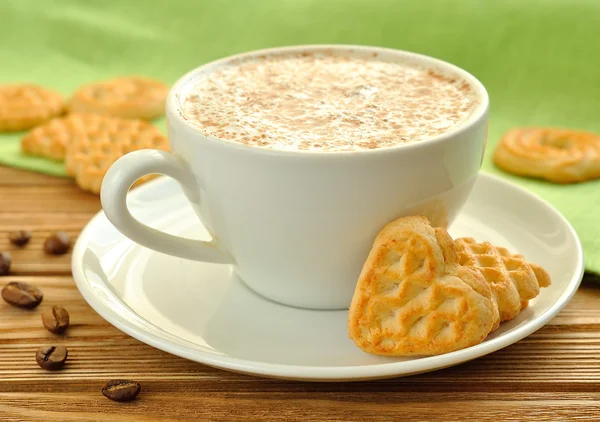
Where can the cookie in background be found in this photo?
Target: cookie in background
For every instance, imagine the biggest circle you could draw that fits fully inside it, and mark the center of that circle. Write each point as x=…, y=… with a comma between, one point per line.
x=91, y=152
x=23, y=106
x=556, y=155
x=50, y=139
x=129, y=97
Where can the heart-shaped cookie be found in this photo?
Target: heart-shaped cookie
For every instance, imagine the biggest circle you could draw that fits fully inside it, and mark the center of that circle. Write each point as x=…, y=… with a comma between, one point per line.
x=413, y=297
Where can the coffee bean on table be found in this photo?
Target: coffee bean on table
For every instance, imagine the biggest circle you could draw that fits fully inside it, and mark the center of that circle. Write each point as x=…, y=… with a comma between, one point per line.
x=51, y=358
x=121, y=390
x=57, y=244
x=5, y=262
x=56, y=319
x=23, y=295
x=19, y=237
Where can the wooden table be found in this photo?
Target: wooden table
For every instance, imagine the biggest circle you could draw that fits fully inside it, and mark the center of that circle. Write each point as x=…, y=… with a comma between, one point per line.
x=551, y=375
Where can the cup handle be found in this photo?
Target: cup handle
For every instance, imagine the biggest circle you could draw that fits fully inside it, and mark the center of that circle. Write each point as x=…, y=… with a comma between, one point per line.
x=113, y=194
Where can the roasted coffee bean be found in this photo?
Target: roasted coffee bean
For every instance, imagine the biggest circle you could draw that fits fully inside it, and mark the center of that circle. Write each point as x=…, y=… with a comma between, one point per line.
x=20, y=237
x=23, y=295
x=56, y=319
x=51, y=358
x=57, y=244
x=121, y=390
x=5, y=262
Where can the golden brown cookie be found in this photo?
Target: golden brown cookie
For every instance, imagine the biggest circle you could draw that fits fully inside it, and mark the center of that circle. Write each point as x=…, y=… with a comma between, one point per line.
x=132, y=97
x=513, y=280
x=50, y=139
x=92, y=152
x=557, y=155
x=413, y=297
x=23, y=106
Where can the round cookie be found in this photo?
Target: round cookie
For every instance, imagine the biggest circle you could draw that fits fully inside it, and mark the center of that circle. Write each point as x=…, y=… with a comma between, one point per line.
x=90, y=153
x=23, y=106
x=557, y=155
x=131, y=97
x=51, y=138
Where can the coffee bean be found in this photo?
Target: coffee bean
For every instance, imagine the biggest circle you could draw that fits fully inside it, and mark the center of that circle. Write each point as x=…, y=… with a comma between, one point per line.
x=23, y=295
x=51, y=358
x=56, y=319
x=5, y=262
x=20, y=237
x=57, y=244
x=121, y=390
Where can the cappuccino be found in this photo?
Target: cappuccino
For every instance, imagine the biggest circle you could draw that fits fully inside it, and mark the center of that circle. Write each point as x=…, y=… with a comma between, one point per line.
x=326, y=102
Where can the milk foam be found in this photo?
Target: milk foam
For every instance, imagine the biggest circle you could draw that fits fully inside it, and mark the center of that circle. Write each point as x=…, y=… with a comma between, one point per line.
x=321, y=102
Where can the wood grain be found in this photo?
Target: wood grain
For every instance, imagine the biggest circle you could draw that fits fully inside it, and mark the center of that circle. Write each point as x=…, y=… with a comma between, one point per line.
x=552, y=375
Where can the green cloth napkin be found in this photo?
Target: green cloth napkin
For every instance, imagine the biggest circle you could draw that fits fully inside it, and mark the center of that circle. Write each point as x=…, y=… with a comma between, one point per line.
x=539, y=59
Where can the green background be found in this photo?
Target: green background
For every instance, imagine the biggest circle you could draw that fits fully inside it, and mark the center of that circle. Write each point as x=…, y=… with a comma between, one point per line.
x=539, y=59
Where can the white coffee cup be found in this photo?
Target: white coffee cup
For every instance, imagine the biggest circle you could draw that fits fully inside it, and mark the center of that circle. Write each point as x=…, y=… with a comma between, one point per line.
x=297, y=226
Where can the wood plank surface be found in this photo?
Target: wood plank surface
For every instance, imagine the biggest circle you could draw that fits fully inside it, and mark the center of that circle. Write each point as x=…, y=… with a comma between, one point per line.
x=552, y=375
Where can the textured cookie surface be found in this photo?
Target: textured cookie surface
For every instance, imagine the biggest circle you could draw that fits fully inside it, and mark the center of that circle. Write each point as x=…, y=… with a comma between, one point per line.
x=50, y=139
x=27, y=105
x=131, y=97
x=513, y=280
x=413, y=297
x=557, y=155
x=92, y=152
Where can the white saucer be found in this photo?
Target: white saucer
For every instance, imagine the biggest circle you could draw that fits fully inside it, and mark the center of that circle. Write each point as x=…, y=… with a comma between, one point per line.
x=204, y=313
